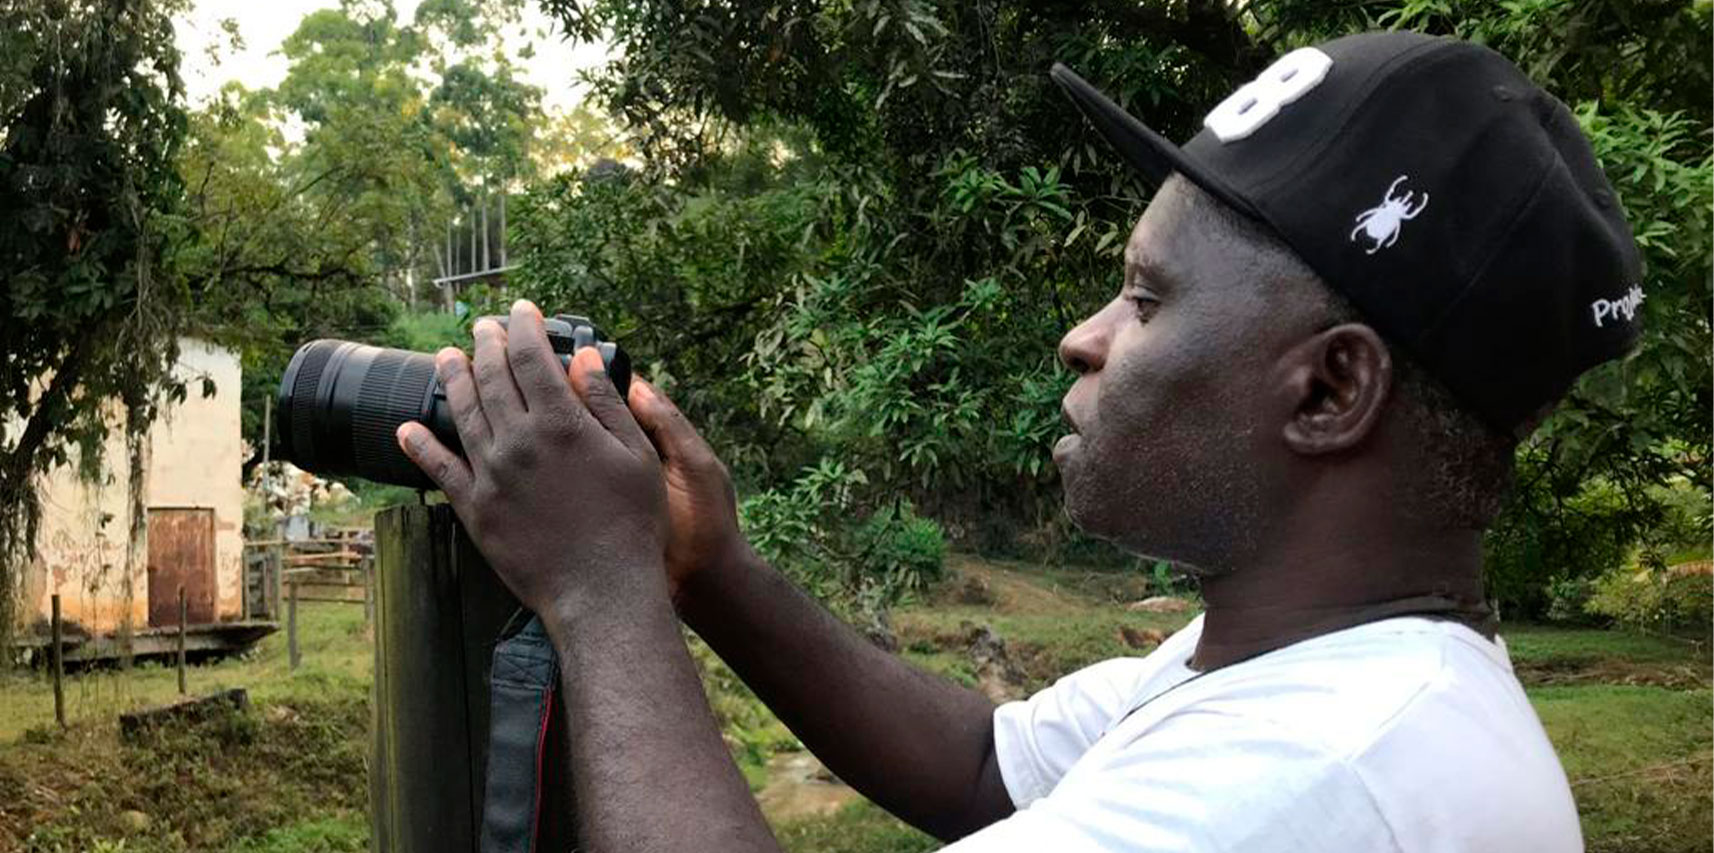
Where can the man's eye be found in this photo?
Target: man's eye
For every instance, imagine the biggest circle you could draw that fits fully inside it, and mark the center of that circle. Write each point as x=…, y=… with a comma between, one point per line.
x=1146, y=305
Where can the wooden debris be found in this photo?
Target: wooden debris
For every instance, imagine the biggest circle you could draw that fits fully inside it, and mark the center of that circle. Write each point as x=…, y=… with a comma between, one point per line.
x=193, y=709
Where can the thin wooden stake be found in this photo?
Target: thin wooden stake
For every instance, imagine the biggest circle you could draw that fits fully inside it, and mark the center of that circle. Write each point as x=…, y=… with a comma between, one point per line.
x=182, y=687
x=59, y=666
x=368, y=594
x=250, y=607
x=276, y=579
x=292, y=625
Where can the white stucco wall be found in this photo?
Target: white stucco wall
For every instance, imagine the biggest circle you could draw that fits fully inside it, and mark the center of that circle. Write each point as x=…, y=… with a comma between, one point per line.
x=80, y=549
x=195, y=455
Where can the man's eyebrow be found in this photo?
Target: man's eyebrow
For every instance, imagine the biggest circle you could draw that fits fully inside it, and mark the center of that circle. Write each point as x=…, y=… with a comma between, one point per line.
x=1147, y=267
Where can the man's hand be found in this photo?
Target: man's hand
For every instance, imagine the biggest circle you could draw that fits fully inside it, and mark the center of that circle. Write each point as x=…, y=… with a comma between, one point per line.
x=701, y=503
x=559, y=486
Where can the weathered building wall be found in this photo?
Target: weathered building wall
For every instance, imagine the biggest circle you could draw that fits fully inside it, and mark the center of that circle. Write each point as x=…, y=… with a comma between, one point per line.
x=80, y=549
x=193, y=459
x=196, y=455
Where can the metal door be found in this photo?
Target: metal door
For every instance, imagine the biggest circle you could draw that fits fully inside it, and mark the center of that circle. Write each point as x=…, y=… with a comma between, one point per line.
x=181, y=552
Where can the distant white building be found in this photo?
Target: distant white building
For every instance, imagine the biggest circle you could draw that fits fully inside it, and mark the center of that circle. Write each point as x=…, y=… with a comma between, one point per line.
x=194, y=500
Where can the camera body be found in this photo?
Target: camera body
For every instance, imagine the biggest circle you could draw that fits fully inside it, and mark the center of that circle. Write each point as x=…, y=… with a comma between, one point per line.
x=340, y=403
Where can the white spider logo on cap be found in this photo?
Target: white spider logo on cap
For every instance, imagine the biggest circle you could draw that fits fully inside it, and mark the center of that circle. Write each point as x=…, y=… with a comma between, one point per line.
x=1381, y=224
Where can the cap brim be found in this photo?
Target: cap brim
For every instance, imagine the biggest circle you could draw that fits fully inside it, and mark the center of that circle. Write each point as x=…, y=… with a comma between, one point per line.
x=1147, y=151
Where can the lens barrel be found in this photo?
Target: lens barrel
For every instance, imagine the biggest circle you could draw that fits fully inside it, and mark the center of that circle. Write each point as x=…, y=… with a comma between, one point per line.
x=340, y=403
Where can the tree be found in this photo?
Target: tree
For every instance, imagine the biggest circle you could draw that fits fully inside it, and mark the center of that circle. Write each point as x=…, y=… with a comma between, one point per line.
x=332, y=231
x=90, y=307
x=281, y=245
x=968, y=215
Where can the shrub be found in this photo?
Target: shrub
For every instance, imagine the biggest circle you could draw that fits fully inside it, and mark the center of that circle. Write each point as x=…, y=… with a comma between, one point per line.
x=904, y=548
x=1649, y=597
x=816, y=531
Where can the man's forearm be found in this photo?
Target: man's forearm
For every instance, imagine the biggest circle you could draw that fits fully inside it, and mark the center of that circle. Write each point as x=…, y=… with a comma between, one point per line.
x=648, y=767
x=919, y=745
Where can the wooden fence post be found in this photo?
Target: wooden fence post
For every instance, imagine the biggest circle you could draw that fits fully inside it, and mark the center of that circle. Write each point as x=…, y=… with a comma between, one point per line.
x=182, y=690
x=59, y=665
x=292, y=625
x=439, y=609
x=276, y=585
x=368, y=593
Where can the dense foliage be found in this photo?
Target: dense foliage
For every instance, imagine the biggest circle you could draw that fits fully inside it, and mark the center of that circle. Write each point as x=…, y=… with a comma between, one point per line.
x=320, y=207
x=856, y=230
x=91, y=198
x=845, y=236
x=399, y=127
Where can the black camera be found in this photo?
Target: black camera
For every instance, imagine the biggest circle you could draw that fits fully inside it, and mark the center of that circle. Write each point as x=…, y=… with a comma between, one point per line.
x=340, y=403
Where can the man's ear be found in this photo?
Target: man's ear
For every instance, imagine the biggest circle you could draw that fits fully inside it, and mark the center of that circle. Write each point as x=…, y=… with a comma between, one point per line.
x=1338, y=381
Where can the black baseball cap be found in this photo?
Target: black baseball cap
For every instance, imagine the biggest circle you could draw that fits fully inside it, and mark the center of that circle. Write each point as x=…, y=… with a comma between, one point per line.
x=1452, y=201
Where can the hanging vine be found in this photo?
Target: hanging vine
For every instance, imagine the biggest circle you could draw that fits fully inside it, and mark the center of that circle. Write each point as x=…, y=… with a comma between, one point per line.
x=90, y=309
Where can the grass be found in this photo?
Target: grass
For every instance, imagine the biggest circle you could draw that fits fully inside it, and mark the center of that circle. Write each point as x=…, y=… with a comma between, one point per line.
x=861, y=827
x=1530, y=643
x=1639, y=762
x=337, y=660
x=1629, y=714
x=287, y=775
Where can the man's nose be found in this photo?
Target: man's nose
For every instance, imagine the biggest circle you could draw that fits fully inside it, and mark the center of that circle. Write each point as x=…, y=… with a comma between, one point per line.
x=1084, y=349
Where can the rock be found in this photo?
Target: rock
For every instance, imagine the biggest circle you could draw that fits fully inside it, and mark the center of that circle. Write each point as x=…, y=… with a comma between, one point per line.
x=996, y=675
x=134, y=822
x=878, y=630
x=799, y=786
x=976, y=591
x=280, y=714
x=1159, y=604
x=1138, y=639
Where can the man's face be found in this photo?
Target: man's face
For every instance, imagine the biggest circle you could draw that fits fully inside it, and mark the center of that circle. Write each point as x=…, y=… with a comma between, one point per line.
x=1177, y=408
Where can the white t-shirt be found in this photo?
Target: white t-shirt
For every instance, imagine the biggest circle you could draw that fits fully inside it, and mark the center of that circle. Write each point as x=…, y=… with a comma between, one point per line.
x=1406, y=734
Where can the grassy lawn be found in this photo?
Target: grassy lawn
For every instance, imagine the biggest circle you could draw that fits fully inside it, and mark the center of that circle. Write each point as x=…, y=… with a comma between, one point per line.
x=1630, y=716
x=337, y=659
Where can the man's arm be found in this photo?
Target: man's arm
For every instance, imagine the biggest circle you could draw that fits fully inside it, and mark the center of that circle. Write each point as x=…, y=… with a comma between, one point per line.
x=648, y=766
x=919, y=745
x=564, y=496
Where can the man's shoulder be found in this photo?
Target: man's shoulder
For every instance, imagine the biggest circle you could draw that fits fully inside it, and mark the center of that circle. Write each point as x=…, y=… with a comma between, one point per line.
x=1421, y=721
x=1347, y=690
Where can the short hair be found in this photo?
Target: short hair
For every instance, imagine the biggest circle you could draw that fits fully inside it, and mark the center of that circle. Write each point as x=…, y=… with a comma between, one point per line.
x=1470, y=474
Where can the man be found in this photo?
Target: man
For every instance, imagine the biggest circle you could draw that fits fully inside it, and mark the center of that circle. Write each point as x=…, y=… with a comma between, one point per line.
x=1374, y=270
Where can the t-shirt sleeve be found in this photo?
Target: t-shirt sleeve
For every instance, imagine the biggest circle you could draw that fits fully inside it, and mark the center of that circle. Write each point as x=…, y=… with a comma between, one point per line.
x=1194, y=782
x=1036, y=740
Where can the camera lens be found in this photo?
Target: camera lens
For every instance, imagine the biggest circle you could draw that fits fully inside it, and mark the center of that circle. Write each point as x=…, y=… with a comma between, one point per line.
x=341, y=403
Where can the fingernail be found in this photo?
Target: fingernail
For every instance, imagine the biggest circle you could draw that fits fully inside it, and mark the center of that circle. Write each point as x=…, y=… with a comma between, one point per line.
x=592, y=362
x=406, y=436
x=443, y=362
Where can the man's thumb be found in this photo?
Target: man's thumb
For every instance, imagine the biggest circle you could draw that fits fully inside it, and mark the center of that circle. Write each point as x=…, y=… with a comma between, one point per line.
x=666, y=427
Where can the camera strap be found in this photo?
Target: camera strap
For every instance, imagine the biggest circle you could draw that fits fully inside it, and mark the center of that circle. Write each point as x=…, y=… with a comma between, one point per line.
x=521, y=686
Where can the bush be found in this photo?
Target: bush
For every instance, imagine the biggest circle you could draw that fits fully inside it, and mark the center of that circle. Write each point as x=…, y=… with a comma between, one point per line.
x=904, y=548
x=1647, y=597
x=1568, y=599
x=816, y=531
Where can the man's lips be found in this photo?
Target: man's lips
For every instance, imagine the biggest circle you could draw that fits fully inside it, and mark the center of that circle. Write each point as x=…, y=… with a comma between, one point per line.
x=1068, y=419
x=1067, y=443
